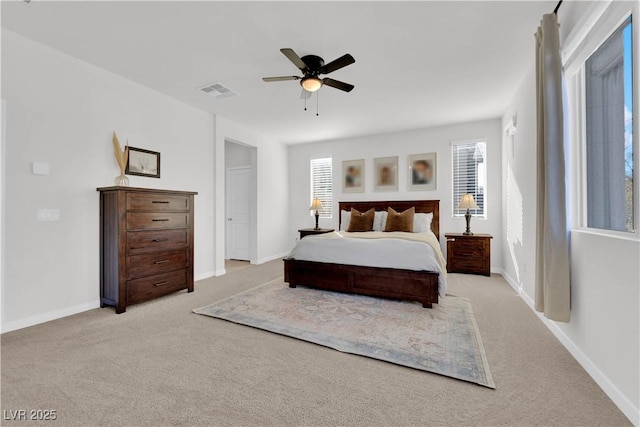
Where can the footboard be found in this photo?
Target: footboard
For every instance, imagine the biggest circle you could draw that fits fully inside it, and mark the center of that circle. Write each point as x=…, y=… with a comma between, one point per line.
x=421, y=286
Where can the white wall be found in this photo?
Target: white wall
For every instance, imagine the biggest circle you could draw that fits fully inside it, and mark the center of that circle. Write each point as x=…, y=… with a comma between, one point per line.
x=62, y=111
x=402, y=144
x=604, y=331
x=272, y=199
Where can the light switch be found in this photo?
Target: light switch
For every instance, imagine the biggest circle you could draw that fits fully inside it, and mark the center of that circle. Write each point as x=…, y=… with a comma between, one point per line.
x=48, y=214
x=40, y=168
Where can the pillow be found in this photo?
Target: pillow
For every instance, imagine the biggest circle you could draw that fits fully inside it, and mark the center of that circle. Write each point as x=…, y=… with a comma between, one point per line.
x=422, y=222
x=361, y=221
x=379, y=220
x=345, y=219
x=400, y=221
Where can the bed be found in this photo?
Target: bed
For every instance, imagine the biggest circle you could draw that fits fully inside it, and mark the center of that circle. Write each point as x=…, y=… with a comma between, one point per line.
x=387, y=282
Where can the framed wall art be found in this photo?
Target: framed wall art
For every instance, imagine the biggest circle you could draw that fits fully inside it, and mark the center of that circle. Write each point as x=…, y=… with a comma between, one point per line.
x=353, y=176
x=143, y=163
x=422, y=172
x=386, y=173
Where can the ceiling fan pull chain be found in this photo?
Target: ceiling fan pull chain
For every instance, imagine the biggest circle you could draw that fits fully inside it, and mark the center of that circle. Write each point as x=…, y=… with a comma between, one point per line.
x=305, y=104
x=317, y=103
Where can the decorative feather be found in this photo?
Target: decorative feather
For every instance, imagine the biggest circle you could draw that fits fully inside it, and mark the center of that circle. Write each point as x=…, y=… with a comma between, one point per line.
x=121, y=156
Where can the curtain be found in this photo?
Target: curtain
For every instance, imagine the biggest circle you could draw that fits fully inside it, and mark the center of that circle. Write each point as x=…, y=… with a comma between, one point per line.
x=553, y=287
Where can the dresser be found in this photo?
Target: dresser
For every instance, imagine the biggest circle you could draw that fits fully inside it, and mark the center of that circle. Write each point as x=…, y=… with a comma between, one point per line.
x=146, y=244
x=469, y=253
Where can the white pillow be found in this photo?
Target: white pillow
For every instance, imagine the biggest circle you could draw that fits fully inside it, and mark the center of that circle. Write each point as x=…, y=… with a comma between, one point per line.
x=422, y=222
x=379, y=220
x=345, y=219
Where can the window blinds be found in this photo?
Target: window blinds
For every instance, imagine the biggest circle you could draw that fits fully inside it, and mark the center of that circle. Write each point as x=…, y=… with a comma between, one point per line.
x=469, y=175
x=609, y=133
x=322, y=185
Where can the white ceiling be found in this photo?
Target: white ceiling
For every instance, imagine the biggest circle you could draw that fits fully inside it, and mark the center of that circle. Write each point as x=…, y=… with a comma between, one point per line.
x=418, y=64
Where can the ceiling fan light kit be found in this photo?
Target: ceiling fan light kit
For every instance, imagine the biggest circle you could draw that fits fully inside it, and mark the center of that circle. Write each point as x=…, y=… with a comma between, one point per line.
x=311, y=84
x=313, y=66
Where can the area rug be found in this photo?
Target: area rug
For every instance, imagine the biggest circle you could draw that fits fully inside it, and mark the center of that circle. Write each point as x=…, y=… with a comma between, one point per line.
x=444, y=339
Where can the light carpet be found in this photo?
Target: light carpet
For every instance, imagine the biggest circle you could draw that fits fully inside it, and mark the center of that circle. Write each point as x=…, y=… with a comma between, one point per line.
x=443, y=340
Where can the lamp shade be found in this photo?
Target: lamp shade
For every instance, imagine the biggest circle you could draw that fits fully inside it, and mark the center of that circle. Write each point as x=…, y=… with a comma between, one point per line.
x=311, y=84
x=316, y=205
x=467, y=202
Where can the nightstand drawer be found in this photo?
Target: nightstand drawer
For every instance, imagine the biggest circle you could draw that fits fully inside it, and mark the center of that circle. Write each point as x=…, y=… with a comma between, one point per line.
x=468, y=263
x=471, y=250
x=157, y=202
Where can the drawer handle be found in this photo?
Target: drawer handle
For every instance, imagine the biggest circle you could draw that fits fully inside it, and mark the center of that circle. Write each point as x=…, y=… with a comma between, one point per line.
x=160, y=219
x=160, y=240
x=160, y=201
x=164, y=282
x=162, y=261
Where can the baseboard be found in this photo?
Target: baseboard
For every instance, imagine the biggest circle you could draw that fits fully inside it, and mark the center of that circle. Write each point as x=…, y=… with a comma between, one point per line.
x=203, y=276
x=269, y=258
x=48, y=316
x=220, y=272
x=621, y=401
x=511, y=282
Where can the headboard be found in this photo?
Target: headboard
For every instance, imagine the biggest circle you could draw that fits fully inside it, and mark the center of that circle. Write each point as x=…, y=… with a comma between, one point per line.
x=422, y=206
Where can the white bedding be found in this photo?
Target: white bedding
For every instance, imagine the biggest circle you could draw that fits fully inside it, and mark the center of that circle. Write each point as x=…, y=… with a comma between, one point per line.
x=408, y=251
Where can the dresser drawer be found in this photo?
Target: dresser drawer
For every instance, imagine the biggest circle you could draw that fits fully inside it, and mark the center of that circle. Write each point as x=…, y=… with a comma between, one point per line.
x=149, y=241
x=154, y=220
x=157, y=262
x=154, y=286
x=157, y=202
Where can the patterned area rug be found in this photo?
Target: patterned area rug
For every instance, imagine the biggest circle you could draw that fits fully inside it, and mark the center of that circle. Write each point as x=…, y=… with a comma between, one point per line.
x=444, y=340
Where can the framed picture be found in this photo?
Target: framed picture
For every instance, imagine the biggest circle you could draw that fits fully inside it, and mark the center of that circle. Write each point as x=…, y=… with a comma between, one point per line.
x=353, y=176
x=422, y=172
x=143, y=163
x=386, y=169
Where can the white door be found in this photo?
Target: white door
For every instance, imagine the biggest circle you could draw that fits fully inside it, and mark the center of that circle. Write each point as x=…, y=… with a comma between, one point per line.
x=238, y=213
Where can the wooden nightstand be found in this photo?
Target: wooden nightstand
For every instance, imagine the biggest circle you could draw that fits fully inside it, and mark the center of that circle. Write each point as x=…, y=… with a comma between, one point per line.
x=311, y=231
x=469, y=253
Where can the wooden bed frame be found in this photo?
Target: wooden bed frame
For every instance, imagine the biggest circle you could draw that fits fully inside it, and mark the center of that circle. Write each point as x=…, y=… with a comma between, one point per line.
x=421, y=286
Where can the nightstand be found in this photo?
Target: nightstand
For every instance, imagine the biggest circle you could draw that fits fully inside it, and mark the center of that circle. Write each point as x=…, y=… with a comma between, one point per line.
x=469, y=253
x=311, y=231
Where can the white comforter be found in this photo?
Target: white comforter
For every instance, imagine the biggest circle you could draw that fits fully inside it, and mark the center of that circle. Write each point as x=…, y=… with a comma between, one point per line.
x=408, y=251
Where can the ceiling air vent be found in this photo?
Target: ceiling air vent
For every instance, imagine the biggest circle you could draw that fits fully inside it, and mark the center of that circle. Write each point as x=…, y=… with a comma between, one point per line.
x=218, y=91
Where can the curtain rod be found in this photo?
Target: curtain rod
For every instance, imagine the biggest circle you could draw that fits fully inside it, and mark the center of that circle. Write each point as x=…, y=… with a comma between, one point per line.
x=555, y=11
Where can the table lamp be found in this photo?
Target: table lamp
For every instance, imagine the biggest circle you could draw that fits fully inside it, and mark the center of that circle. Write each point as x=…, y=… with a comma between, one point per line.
x=467, y=202
x=316, y=205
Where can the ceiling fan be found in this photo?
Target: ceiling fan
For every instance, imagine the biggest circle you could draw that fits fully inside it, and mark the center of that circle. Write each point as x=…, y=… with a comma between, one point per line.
x=313, y=66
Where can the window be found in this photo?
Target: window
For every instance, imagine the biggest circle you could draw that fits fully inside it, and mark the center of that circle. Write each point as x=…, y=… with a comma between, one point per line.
x=469, y=175
x=609, y=137
x=322, y=185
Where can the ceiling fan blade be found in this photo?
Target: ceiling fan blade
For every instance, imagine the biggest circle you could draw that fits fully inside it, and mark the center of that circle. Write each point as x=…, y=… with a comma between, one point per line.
x=293, y=57
x=341, y=62
x=337, y=84
x=280, y=79
x=305, y=94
